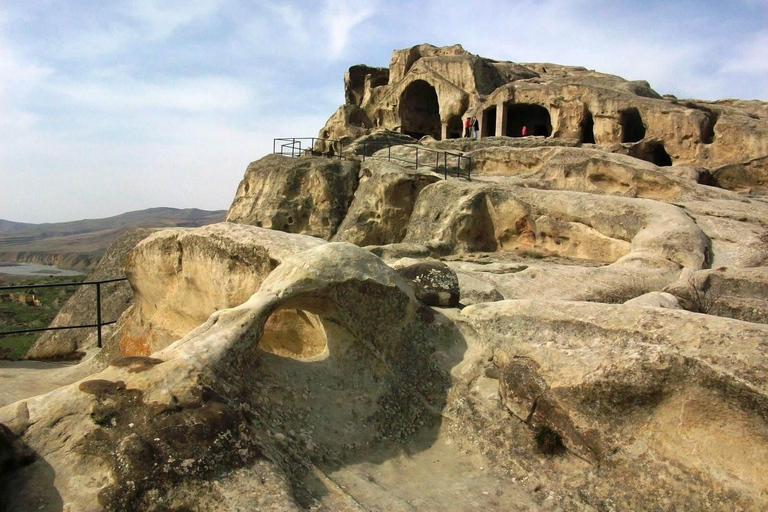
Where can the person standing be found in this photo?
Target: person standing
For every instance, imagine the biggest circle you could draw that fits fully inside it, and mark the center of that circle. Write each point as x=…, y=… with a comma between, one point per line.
x=524, y=131
x=467, y=125
x=475, y=128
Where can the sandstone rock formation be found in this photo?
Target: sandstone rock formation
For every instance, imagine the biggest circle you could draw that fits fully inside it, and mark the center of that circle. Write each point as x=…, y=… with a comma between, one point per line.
x=152, y=431
x=181, y=276
x=81, y=308
x=429, y=91
x=307, y=196
x=607, y=348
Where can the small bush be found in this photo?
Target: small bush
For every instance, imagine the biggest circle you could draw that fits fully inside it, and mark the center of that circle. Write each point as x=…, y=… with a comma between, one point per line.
x=702, y=296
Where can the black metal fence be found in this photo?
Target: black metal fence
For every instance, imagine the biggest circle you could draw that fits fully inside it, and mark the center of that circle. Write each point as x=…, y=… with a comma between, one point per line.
x=434, y=159
x=98, y=323
x=296, y=146
x=442, y=162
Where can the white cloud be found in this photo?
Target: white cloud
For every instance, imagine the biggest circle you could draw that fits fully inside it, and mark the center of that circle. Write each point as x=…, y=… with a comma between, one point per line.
x=19, y=75
x=340, y=17
x=750, y=55
x=292, y=17
x=160, y=18
x=196, y=94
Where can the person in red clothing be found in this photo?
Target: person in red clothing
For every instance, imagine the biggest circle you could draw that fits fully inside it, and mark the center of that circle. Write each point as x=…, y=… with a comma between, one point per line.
x=467, y=126
x=524, y=131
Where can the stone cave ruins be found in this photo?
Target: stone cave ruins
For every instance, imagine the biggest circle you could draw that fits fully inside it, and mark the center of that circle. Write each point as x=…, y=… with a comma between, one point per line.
x=577, y=320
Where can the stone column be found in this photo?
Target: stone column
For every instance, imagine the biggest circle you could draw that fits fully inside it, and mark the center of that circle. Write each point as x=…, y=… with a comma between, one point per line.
x=501, y=118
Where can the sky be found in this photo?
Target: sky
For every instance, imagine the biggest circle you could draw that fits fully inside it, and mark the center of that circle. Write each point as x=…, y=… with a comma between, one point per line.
x=115, y=106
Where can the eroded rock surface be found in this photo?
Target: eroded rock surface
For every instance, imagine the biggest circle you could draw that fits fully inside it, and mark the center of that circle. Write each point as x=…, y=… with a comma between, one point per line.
x=383, y=203
x=80, y=309
x=181, y=276
x=613, y=328
x=309, y=196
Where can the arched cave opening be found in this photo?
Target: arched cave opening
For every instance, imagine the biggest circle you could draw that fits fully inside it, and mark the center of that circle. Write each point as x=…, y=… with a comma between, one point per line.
x=534, y=117
x=455, y=128
x=587, y=126
x=632, y=127
x=358, y=118
x=489, y=122
x=294, y=333
x=708, y=128
x=420, y=110
x=380, y=81
x=708, y=125
x=659, y=155
x=651, y=151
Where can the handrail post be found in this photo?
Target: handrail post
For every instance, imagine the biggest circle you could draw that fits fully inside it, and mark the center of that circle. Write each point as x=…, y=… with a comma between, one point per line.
x=437, y=161
x=274, y=142
x=341, y=149
x=469, y=169
x=389, y=152
x=445, y=163
x=98, y=312
x=417, y=159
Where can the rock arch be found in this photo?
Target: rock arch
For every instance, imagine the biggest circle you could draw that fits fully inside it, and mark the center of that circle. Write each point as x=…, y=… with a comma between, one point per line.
x=632, y=127
x=534, y=117
x=420, y=110
x=294, y=333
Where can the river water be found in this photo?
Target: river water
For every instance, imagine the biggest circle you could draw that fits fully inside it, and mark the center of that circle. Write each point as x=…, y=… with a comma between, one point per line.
x=33, y=269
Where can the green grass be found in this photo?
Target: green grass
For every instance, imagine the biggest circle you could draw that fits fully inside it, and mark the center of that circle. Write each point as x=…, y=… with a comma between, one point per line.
x=14, y=316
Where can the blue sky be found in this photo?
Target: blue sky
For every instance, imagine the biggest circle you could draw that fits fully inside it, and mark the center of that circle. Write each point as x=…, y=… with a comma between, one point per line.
x=107, y=107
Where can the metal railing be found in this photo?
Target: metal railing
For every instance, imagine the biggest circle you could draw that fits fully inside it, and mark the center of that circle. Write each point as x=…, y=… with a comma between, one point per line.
x=98, y=323
x=463, y=169
x=292, y=146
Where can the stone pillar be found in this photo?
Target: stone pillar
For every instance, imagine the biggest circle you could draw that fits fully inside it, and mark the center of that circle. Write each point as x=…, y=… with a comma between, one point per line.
x=444, y=131
x=501, y=119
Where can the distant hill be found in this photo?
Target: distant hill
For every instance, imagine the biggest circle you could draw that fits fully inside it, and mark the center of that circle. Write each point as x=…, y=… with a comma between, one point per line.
x=6, y=226
x=80, y=244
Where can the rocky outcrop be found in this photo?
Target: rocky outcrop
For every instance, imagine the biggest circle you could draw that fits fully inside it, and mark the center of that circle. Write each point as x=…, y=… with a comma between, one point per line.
x=740, y=293
x=434, y=283
x=587, y=170
x=383, y=203
x=309, y=196
x=548, y=364
x=173, y=431
x=181, y=276
x=80, y=309
x=748, y=176
x=631, y=390
x=492, y=217
x=430, y=90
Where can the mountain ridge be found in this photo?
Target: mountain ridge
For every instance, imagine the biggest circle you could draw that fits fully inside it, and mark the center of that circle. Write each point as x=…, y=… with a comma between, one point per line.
x=79, y=244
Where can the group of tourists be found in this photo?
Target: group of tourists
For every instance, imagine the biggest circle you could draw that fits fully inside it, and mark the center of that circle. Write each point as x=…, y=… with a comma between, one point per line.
x=471, y=127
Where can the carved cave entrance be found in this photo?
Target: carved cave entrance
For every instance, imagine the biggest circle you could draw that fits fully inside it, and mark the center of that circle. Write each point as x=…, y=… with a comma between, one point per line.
x=455, y=128
x=632, y=127
x=587, y=126
x=420, y=111
x=535, y=117
x=657, y=155
x=489, y=122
